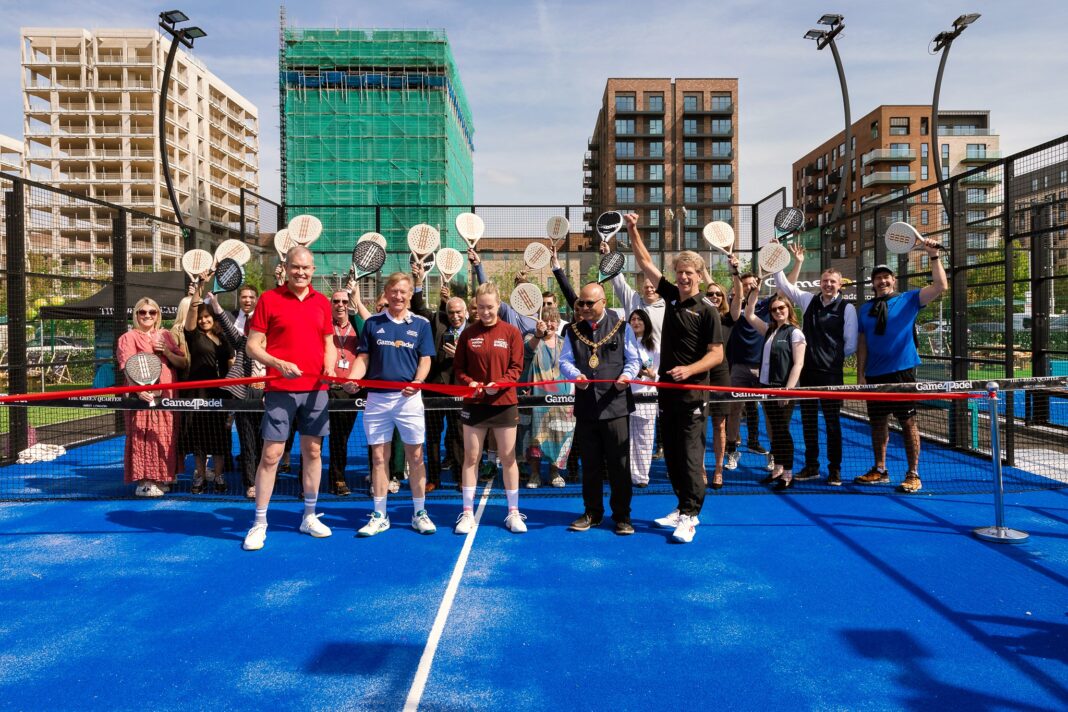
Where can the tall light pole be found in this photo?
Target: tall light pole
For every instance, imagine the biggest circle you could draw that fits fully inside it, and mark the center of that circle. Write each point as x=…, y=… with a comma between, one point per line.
x=168, y=22
x=941, y=43
x=825, y=38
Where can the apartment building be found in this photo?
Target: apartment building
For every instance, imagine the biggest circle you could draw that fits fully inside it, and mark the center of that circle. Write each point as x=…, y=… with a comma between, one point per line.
x=889, y=157
x=90, y=103
x=666, y=149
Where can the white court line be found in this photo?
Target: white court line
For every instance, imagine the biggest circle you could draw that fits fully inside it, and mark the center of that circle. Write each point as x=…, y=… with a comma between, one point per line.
x=415, y=693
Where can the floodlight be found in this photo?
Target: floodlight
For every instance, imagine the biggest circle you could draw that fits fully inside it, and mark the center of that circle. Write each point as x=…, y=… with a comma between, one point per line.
x=815, y=34
x=966, y=19
x=172, y=17
x=831, y=19
x=194, y=33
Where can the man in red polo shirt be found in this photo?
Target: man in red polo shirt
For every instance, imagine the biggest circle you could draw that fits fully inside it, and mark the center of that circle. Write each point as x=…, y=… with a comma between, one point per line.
x=292, y=334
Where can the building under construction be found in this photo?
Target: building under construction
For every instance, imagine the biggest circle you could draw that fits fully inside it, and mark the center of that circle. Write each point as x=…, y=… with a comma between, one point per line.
x=376, y=135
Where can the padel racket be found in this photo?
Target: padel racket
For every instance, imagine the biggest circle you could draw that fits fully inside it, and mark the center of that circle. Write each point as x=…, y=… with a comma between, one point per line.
x=283, y=243
x=450, y=261
x=470, y=227
x=526, y=299
x=427, y=260
x=608, y=224
x=537, y=256
x=196, y=262
x=901, y=237
x=557, y=228
x=773, y=258
x=374, y=237
x=143, y=370
x=610, y=265
x=719, y=235
x=305, y=229
x=423, y=239
x=789, y=220
x=367, y=258
x=234, y=250
x=229, y=275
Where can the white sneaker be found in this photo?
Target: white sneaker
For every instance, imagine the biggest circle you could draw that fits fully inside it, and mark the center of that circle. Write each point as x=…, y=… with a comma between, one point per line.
x=464, y=523
x=685, y=530
x=533, y=482
x=394, y=486
x=514, y=522
x=730, y=460
x=669, y=522
x=312, y=525
x=378, y=524
x=771, y=461
x=255, y=537
x=149, y=489
x=422, y=524
x=558, y=481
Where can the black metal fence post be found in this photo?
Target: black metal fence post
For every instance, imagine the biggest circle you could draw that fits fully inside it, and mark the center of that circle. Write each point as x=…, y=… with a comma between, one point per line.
x=119, y=257
x=18, y=381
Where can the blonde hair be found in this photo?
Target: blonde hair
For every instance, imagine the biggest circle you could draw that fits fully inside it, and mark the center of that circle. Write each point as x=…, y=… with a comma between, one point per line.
x=396, y=278
x=178, y=327
x=149, y=302
x=488, y=288
x=689, y=258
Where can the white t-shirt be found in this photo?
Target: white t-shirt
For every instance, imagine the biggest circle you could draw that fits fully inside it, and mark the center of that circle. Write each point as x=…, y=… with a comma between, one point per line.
x=796, y=337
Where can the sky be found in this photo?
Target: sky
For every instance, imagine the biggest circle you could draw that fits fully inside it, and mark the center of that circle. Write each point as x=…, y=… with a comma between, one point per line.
x=535, y=72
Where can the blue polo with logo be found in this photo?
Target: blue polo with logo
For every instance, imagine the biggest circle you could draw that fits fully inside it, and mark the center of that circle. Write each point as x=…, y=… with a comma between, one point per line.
x=394, y=347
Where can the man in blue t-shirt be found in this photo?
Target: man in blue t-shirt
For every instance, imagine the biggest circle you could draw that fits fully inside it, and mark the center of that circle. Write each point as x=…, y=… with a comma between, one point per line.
x=396, y=345
x=886, y=353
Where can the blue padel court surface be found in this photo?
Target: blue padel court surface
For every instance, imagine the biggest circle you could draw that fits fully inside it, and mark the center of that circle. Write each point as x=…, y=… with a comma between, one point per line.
x=781, y=602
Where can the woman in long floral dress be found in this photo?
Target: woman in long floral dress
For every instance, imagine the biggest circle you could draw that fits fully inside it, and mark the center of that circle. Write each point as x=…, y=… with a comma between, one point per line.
x=552, y=427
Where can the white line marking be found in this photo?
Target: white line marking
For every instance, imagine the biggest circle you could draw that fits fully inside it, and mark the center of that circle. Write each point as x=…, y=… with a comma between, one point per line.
x=415, y=693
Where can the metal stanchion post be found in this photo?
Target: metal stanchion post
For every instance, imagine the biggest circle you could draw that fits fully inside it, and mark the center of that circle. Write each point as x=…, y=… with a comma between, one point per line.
x=999, y=532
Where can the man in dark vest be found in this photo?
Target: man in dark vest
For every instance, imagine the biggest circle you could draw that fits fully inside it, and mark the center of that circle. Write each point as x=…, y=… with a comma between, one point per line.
x=599, y=346
x=830, y=328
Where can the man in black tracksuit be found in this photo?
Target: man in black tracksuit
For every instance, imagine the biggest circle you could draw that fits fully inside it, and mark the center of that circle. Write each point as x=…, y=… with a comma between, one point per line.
x=830, y=328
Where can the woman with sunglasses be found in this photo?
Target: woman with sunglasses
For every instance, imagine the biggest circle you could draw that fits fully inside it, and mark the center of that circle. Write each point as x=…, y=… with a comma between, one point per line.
x=210, y=356
x=780, y=367
x=151, y=456
x=489, y=352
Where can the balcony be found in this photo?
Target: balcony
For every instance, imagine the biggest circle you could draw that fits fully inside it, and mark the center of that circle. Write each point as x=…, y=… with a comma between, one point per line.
x=812, y=207
x=639, y=112
x=888, y=155
x=964, y=131
x=982, y=178
x=981, y=158
x=715, y=110
x=888, y=178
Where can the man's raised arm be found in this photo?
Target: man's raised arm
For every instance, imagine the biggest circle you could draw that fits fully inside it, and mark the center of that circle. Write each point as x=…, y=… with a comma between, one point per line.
x=642, y=258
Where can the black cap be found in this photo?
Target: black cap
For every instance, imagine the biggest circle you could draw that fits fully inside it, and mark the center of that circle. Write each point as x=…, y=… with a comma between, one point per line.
x=881, y=268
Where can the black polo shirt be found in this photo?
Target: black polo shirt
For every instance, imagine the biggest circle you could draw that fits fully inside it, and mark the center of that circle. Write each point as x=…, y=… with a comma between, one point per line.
x=689, y=327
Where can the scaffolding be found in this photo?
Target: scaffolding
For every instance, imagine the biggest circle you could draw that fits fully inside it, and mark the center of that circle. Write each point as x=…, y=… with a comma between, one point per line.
x=373, y=117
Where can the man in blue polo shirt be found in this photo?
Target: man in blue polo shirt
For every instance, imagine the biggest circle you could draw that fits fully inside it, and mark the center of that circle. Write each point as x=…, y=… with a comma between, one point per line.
x=886, y=353
x=396, y=345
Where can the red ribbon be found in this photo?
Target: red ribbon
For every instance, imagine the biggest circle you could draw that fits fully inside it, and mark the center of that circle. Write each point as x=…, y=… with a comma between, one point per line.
x=116, y=390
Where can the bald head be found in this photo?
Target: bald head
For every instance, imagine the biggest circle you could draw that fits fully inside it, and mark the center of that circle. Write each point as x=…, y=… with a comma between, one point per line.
x=590, y=304
x=299, y=251
x=300, y=267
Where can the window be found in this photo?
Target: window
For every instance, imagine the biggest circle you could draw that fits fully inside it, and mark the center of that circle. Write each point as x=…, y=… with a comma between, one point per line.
x=721, y=102
x=689, y=240
x=900, y=149
x=654, y=102
x=656, y=127
x=624, y=149
x=689, y=149
x=874, y=129
x=624, y=126
x=691, y=102
x=924, y=126
x=656, y=194
x=689, y=126
x=899, y=126
x=721, y=149
x=652, y=239
x=624, y=102
x=976, y=195
x=689, y=195
x=899, y=171
x=721, y=171
x=689, y=171
x=945, y=172
x=945, y=153
x=656, y=149
x=625, y=171
x=721, y=214
x=693, y=217
x=925, y=197
x=654, y=218
x=656, y=171
x=721, y=194
x=721, y=127
x=924, y=147
x=925, y=217
x=976, y=150
x=1064, y=176
x=624, y=195
x=924, y=174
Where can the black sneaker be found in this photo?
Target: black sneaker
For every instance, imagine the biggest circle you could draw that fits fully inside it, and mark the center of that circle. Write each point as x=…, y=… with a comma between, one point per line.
x=755, y=446
x=835, y=477
x=808, y=472
x=585, y=522
x=624, y=528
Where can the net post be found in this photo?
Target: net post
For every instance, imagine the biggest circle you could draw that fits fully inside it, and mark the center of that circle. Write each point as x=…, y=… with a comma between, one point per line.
x=999, y=532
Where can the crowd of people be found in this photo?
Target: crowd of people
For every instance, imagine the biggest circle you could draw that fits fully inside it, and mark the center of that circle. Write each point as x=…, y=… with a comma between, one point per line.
x=678, y=331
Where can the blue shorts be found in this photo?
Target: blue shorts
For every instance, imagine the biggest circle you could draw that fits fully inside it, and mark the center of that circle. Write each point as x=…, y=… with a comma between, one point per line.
x=308, y=408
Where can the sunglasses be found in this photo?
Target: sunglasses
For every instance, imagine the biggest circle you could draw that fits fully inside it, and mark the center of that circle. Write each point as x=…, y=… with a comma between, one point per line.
x=339, y=301
x=781, y=307
x=714, y=294
x=582, y=303
x=147, y=312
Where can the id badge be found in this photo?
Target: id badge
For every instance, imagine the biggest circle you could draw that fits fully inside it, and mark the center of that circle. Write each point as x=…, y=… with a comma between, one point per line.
x=343, y=363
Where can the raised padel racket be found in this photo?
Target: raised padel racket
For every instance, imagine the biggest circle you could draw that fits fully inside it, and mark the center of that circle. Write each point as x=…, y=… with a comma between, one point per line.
x=788, y=221
x=537, y=256
x=367, y=258
x=557, y=228
x=610, y=265
x=305, y=229
x=423, y=239
x=143, y=370
x=719, y=235
x=196, y=262
x=234, y=250
x=773, y=258
x=427, y=261
x=470, y=227
x=526, y=299
x=901, y=237
x=229, y=275
x=608, y=224
x=373, y=237
x=283, y=243
x=449, y=261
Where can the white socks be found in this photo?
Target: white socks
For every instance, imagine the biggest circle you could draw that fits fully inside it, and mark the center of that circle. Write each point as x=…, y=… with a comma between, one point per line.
x=261, y=516
x=469, y=498
x=380, y=505
x=513, y=499
x=309, y=504
x=418, y=503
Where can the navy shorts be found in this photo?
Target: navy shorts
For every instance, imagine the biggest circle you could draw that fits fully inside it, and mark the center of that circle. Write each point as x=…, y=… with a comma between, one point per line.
x=902, y=410
x=307, y=409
